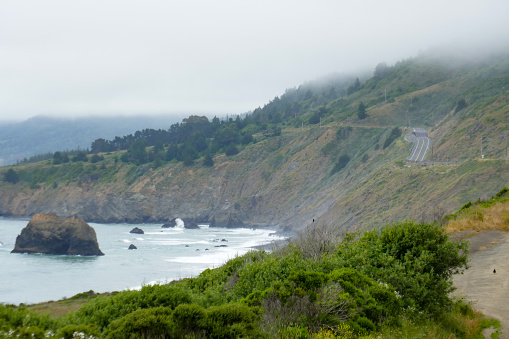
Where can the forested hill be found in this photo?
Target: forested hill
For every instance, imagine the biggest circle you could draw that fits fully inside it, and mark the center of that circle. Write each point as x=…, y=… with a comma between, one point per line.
x=332, y=150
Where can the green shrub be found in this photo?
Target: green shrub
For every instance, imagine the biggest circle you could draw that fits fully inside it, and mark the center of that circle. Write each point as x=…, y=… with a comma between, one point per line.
x=418, y=260
x=189, y=319
x=343, y=160
x=232, y=320
x=307, y=279
x=101, y=311
x=71, y=331
x=395, y=133
x=144, y=323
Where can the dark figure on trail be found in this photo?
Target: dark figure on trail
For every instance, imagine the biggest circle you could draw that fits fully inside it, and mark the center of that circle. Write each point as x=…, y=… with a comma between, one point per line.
x=494, y=271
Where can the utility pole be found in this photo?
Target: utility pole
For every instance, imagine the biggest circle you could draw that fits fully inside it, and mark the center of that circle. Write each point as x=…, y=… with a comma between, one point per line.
x=386, y=95
x=407, y=122
x=506, y=146
x=482, y=155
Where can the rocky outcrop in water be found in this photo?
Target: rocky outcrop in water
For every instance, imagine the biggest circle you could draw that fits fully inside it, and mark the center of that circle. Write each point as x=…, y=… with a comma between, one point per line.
x=48, y=234
x=137, y=230
x=132, y=247
x=188, y=223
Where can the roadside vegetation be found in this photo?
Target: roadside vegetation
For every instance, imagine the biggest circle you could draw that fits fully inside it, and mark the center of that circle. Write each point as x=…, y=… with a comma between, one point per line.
x=391, y=283
x=481, y=215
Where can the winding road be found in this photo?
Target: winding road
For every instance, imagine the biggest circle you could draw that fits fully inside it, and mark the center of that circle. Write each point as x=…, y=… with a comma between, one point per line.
x=421, y=142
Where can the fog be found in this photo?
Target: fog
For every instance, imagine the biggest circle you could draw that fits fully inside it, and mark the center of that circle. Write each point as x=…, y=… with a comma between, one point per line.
x=74, y=58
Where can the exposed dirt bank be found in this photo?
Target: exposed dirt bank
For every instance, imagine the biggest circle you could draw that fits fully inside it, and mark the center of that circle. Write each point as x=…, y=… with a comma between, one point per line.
x=489, y=250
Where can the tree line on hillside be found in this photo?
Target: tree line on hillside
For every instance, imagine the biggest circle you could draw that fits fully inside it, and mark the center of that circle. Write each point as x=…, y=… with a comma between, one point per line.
x=197, y=137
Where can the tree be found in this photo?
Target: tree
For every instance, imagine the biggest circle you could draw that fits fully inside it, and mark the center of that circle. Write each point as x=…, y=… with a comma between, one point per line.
x=96, y=158
x=314, y=119
x=100, y=145
x=57, y=158
x=395, y=133
x=354, y=87
x=11, y=176
x=80, y=156
x=189, y=154
x=308, y=95
x=361, y=113
x=461, y=104
x=171, y=152
x=381, y=71
x=228, y=134
x=231, y=150
x=247, y=139
x=208, y=161
x=138, y=152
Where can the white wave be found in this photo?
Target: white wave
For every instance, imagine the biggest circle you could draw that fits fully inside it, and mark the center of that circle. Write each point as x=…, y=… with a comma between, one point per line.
x=126, y=240
x=216, y=258
x=141, y=239
x=179, y=223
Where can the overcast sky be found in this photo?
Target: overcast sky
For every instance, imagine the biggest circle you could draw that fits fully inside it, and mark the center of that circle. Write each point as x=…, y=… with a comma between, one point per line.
x=83, y=57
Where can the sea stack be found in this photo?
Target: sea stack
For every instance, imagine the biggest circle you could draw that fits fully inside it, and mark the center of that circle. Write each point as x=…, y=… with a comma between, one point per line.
x=48, y=234
x=137, y=231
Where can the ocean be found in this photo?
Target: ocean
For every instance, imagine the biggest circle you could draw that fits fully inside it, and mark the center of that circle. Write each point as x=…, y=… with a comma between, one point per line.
x=162, y=255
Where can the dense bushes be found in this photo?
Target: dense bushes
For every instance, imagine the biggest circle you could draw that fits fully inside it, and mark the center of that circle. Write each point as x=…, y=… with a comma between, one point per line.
x=417, y=259
x=361, y=285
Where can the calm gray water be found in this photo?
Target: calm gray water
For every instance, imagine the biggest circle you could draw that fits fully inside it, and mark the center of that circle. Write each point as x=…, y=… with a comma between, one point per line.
x=161, y=256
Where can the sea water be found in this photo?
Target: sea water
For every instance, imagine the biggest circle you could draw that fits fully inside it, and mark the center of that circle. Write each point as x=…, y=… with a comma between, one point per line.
x=162, y=255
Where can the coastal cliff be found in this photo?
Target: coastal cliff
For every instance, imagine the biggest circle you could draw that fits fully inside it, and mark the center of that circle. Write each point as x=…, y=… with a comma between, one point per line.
x=285, y=181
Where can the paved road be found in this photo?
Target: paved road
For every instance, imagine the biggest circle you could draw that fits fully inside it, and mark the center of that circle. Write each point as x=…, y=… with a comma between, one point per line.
x=421, y=142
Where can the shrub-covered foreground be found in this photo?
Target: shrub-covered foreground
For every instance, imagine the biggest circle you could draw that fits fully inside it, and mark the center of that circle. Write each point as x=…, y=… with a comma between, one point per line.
x=380, y=283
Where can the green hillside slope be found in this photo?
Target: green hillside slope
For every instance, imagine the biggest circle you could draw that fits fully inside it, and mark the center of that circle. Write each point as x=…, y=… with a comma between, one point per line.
x=312, y=155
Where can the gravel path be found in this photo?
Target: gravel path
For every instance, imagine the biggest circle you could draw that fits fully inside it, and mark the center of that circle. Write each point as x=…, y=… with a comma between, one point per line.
x=488, y=291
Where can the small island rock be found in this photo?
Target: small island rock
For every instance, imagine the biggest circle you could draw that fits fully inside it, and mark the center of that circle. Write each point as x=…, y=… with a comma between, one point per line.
x=137, y=231
x=48, y=234
x=132, y=247
x=189, y=224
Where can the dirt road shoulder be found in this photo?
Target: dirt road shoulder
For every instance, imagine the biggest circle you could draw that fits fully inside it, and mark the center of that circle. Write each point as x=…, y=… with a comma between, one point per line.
x=489, y=291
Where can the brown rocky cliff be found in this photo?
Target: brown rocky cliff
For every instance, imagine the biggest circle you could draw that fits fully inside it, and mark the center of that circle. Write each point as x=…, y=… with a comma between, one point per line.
x=48, y=234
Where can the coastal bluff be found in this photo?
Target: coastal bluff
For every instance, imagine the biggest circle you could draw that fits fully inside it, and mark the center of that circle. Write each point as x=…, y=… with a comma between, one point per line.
x=48, y=234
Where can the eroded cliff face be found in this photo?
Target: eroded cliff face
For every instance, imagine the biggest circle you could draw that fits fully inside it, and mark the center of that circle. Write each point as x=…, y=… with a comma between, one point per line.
x=271, y=184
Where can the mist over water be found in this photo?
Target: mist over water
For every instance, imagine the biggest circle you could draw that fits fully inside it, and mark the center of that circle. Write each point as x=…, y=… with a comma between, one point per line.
x=162, y=255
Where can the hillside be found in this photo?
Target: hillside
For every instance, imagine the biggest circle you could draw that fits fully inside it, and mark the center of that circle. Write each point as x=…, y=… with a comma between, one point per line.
x=311, y=156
